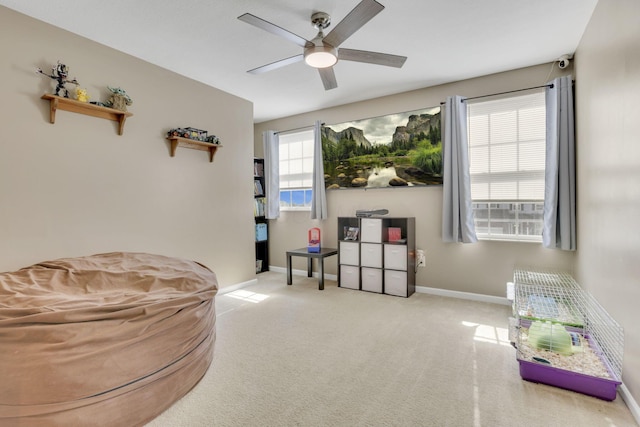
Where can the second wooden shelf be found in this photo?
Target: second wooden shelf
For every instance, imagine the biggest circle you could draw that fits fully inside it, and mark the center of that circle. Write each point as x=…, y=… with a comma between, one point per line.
x=177, y=141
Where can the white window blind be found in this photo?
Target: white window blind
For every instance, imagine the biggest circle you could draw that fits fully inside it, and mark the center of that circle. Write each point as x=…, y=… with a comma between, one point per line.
x=507, y=148
x=296, y=170
x=296, y=159
x=506, y=164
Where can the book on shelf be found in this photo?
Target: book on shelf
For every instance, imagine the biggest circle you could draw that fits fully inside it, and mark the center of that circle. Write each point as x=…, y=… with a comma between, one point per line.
x=261, y=232
x=257, y=188
x=259, y=206
x=394, y=234
x=258, y=169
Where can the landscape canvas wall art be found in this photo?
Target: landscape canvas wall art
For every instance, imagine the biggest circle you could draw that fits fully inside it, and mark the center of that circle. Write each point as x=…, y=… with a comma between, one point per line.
x=397, y=150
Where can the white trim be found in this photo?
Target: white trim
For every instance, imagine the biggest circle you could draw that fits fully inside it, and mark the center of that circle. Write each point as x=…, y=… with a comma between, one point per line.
x=302, y=272
x=419, y=289
x=463, y=295
x=295, y=209
x=630, y=401
x=237, y=286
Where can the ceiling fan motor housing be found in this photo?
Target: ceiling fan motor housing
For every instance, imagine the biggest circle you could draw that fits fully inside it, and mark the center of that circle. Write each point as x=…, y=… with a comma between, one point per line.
x=320, y=54
x=320, y=20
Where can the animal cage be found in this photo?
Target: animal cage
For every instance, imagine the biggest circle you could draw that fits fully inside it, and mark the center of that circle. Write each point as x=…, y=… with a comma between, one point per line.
x=563, y=336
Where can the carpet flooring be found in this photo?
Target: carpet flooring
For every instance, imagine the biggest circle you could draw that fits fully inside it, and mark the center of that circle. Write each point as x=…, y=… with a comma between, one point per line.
x=297, y=356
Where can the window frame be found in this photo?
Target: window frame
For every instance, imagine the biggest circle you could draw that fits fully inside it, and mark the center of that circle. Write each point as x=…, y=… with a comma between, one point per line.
x=517, y=222
x=304, y=169
x=484, y=221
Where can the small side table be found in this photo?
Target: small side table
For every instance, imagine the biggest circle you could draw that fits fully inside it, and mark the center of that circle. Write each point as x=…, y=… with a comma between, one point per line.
x=304, y=252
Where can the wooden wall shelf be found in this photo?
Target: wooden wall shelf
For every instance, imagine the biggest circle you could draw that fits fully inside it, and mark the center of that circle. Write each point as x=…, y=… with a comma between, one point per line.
x=67, y=104
x=177, y=141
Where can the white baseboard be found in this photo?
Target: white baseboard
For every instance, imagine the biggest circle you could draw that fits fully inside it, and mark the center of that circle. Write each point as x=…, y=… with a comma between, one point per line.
x=419, y=289
x=630, y=401
x=463, y=295
x=281, y=269
x=237, y=286
x=302, y=272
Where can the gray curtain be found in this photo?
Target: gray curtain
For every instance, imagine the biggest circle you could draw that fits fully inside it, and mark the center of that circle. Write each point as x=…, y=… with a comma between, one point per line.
x=319, y=201
x=457, y=212
x=559, y=229
x=271, y=145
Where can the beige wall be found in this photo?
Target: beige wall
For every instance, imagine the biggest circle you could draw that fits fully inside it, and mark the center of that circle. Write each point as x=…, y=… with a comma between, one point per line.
x=608, y=153
x=481, y=268
x=76, y=188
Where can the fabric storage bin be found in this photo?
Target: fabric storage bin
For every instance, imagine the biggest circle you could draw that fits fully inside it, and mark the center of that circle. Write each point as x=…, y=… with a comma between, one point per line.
x=350, y=253
x=349, y=277
x=371, y=279
x=395, y=283
x=371, y=255
x=371, y=230
x=395, y=257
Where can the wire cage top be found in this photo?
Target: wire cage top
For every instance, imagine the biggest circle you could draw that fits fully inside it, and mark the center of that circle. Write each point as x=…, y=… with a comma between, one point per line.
x=548, y=296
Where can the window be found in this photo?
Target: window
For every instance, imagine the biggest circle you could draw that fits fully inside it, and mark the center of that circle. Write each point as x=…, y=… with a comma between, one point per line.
x=507, y=162
x=296, y=170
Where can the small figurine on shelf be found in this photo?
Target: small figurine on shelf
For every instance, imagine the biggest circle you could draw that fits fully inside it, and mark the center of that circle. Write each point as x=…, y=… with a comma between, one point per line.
x=81, y=95
x=180, y=132
x=193, y=133
x=59, y=73
x=197, y=134
x=119, y=100
x=173, y=132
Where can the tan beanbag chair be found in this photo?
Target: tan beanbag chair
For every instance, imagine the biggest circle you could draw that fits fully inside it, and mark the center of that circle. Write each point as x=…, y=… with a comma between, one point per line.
x=106, y=340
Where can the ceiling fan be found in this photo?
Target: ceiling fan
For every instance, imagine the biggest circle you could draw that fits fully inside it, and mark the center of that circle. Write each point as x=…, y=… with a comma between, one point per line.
x=322, y=51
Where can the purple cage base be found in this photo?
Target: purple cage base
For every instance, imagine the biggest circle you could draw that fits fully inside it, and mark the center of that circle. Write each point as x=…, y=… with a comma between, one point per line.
x=602, y=388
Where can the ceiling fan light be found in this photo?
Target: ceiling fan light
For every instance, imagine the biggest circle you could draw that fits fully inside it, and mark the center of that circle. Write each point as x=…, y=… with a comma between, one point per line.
x=320, y=56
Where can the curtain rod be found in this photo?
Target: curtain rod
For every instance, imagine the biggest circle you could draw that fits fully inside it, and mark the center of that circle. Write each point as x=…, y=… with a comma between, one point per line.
x=550, y=86
x=295, y=129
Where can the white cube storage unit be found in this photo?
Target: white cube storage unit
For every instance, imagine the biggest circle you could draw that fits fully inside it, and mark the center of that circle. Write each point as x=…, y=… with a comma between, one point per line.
x=381, y=260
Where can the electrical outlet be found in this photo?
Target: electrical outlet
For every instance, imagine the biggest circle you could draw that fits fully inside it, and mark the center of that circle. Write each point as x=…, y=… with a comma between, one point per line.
x=421, y=261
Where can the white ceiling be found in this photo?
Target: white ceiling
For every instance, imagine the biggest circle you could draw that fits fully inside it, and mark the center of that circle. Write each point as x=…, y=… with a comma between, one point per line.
x=445, y=41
